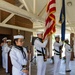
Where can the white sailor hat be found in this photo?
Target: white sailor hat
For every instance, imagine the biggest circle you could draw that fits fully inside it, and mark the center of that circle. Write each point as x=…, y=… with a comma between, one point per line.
x=4, y=38
x=18, y=36
x=8, y=40
x=66, y=39
x=57, y=36
x=39, y=32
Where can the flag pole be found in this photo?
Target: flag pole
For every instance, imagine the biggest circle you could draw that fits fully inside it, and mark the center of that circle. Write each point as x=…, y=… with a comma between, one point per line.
x=63, y=24
x=30, y=56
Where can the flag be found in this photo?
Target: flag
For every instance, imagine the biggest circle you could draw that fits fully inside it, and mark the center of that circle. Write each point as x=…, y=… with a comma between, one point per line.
x=50, y=19
x=62, y=20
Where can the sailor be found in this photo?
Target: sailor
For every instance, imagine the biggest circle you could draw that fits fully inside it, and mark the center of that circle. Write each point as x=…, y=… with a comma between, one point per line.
x=57, y=52
x=7, y=49
x=4, y=44
x=68, y=51
x=40, y=45
x=19, y=56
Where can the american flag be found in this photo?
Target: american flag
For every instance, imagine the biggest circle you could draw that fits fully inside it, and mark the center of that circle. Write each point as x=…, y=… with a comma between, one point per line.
x=50, y=19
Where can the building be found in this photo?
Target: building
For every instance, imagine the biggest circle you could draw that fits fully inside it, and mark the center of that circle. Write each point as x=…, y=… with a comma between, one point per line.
x=26, y=17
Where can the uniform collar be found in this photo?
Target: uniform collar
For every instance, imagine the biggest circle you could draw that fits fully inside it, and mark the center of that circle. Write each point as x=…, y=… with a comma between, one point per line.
x=41, y=40
x=19, y=47
x=57, y=41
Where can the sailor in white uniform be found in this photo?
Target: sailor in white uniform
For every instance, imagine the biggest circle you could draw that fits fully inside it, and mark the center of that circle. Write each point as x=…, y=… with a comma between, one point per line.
x=7, y=49
x=40, y=45
x=68, y=51
x=57, y=51
x=19, y=56
x=4, y=44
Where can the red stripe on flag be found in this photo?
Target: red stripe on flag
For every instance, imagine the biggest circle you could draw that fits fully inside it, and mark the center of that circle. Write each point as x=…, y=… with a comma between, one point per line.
x=50, y=3
x=52, y=9
x=50, y=20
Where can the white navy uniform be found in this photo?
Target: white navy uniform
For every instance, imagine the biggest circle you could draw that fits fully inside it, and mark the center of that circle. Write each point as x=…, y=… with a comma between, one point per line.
x=3, y=55
x=41, y=65
x=68, y=51
x=57, y=57
x=18, y=60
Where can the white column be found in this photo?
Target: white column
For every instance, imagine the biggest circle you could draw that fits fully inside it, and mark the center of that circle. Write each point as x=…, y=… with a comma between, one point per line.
x=34, y=6
x=50, y=46
x=29, y=64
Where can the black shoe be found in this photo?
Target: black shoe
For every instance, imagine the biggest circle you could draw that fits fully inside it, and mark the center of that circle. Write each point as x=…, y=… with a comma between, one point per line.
x=68, y=70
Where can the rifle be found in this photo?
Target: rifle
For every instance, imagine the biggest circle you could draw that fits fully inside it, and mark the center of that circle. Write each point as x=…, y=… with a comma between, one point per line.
x=60, y=48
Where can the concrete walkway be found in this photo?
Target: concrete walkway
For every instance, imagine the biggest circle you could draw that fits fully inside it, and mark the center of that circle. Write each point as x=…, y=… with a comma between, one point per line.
x=50, y=69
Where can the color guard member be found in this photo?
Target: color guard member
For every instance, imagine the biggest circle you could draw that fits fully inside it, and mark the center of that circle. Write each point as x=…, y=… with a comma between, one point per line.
x=4, y=44
x=19, y=56
x=68, y=51
x=41, y=58
x=57, y=52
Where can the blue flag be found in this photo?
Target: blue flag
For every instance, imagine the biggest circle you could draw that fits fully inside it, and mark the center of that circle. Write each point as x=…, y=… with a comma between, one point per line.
x=63, y=21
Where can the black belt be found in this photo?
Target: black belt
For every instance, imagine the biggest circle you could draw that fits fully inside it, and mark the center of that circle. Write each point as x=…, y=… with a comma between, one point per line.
x=56, y=51
x=56, y=54
x=24, y=66
x=39, y=55
x=39, y=51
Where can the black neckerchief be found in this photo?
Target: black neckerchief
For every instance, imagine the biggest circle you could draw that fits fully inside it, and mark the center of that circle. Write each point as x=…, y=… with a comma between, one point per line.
x=57, y=41
x=41, y=40
x=21, y=49
x=67, y=43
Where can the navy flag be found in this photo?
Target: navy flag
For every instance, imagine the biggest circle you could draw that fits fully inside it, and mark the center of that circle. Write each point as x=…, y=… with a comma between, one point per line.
x=63, y=21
